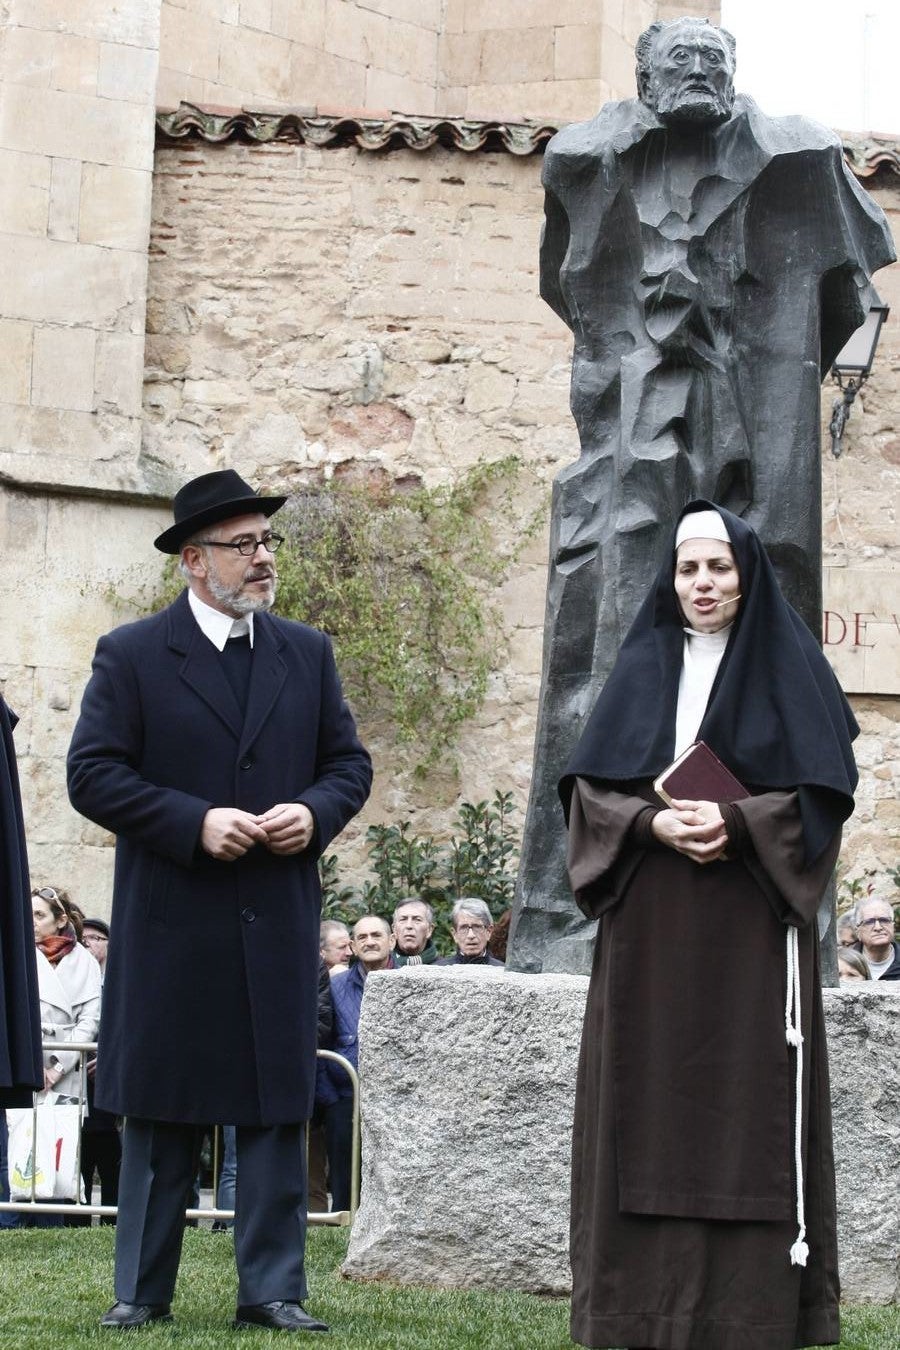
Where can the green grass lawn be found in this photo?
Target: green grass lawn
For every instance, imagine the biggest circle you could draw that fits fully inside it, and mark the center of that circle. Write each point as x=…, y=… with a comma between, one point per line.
x=54, y=1286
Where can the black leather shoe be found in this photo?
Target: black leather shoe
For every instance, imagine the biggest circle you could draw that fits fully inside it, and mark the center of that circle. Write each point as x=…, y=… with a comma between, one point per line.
x=277, y=1317
x=127, y=1315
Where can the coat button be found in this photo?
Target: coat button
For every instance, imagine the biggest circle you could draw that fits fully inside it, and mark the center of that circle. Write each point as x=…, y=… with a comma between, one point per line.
x=248, y=915
x=246, y=762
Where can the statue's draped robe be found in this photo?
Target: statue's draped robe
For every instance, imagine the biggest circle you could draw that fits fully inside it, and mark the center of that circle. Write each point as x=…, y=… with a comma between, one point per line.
x=709, y=277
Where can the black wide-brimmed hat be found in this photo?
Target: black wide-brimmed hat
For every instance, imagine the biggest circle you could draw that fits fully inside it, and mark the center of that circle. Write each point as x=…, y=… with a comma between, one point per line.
x=208, y=499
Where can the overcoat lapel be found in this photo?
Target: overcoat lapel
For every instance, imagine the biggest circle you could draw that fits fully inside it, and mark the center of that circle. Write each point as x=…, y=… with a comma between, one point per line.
x=202, y=669
x=268, y=673
x=52, y=989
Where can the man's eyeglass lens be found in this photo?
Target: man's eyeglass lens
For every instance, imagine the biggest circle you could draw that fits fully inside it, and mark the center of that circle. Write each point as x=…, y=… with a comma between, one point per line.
x=872, y=923
x=247, y=545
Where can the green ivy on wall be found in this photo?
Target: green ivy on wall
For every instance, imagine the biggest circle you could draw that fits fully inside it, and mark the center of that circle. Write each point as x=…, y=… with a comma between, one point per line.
x=401, y=578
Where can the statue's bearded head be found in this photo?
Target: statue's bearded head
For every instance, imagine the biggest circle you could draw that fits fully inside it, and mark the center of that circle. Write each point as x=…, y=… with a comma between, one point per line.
x=685, y=71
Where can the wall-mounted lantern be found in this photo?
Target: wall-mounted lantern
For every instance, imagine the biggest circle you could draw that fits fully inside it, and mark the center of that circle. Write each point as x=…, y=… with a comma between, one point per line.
x=853, y=363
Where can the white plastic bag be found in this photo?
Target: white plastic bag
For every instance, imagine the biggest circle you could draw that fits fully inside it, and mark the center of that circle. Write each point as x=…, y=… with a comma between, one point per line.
x=43, y=1152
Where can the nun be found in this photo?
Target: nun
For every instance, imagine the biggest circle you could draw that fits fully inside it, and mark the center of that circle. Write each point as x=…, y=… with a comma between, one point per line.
x=703, y=1203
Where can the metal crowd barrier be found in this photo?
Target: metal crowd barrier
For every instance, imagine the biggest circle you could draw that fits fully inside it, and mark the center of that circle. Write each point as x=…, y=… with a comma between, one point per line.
x=334, y=1218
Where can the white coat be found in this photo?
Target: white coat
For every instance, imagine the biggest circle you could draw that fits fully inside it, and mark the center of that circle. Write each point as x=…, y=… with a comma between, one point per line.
x=70, y=1011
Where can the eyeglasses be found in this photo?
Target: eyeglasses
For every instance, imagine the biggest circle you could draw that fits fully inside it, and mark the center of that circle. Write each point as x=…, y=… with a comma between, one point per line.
x=248, y=544
x=470, y=927
x=876, y=923
x=48, y=893
x=95, y=937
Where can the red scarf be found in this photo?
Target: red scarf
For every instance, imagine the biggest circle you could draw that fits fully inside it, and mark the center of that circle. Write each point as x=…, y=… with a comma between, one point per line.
x=57, y=946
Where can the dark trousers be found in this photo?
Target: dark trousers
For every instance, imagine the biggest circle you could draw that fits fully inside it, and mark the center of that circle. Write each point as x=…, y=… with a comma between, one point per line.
x=101, y=1151
x=159, y=1163
x=338, y=1121
x=317, y=1164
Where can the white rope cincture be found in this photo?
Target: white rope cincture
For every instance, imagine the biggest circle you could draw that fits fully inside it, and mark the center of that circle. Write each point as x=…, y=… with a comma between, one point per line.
x=794, y=1036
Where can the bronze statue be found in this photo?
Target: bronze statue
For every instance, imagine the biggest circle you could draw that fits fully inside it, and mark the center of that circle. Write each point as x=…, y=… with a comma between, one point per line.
x=711, y=262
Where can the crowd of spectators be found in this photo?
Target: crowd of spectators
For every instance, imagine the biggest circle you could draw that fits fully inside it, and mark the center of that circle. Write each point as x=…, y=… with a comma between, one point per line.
x=374, y=944
x=72, y=951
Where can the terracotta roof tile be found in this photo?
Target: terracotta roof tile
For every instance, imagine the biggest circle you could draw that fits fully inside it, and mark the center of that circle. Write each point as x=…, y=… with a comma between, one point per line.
x=373, y=129
x=868, y=155
x=379, y=129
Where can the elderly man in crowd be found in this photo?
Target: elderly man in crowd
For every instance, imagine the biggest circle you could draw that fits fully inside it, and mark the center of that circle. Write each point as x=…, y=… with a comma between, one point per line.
x=875, y=926
x=215, y=743
x=373, y=946
x=413, y=926
x=334, y=945
x=472, y=925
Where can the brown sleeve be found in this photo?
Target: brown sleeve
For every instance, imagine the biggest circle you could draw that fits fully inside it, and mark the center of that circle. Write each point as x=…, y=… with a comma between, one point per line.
x=642, y=835
x=602, y=850
x=767, y=832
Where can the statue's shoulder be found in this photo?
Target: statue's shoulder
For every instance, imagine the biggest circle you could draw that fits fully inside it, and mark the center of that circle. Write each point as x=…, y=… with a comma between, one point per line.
x=785, y=135
x=616, y=128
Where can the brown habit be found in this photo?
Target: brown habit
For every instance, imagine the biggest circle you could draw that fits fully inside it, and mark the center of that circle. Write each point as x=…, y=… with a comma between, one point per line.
x=683, y=1194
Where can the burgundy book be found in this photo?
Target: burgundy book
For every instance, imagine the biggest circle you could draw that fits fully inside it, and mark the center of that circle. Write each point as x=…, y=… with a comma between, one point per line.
x=698, y=775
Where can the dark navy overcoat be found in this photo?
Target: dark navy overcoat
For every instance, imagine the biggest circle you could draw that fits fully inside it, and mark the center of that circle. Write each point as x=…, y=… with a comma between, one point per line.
x=21, y=1061
x=209, y=1003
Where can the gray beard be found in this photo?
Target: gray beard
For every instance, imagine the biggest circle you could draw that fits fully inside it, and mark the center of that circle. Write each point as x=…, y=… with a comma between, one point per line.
x=235, y=603
x=692, y=107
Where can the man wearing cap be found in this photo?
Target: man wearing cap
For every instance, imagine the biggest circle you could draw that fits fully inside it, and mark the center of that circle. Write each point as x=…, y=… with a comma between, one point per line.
x=95, y=936
x=215, y=743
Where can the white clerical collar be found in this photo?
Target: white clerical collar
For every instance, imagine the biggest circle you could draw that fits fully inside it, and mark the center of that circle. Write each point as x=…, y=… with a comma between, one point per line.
x=711, y=642
x=219, y=627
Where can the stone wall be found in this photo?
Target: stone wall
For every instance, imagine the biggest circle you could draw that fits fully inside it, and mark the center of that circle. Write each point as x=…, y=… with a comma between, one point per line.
x=667, y=10
x=488, y=1137
x=77, y=87
x=64, y=557
x=472, y=58
x=532, y=59
x=77, y=108
x=283, y=53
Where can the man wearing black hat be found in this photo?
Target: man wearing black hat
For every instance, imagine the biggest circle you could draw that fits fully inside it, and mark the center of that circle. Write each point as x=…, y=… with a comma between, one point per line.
x=215, y=743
